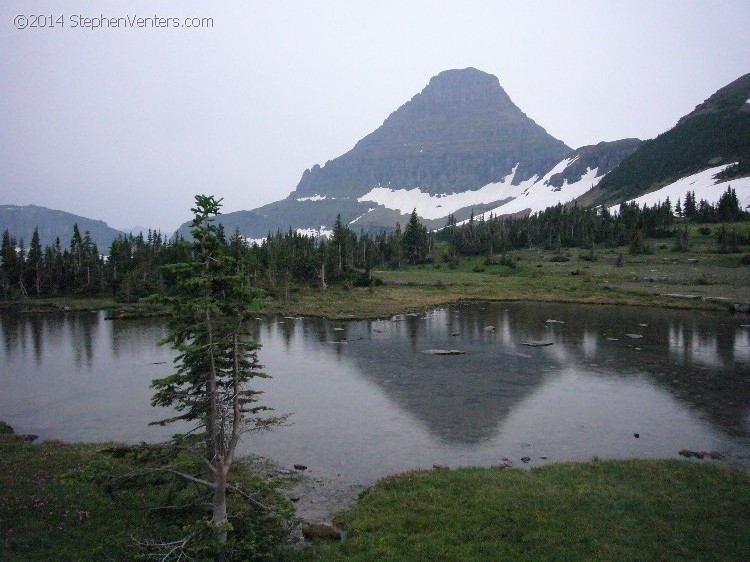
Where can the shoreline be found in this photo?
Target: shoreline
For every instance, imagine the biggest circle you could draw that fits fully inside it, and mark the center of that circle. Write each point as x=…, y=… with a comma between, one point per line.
x=309, y=307
x=319, y=498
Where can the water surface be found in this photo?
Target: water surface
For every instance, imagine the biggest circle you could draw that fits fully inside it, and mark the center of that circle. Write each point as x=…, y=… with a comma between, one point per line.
x=367, y=401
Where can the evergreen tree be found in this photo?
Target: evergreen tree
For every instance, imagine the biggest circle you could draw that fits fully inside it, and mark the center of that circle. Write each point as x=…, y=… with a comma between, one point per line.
x=10, y=268
x=690, y=210
x=35, y=262
x=217, y=358
x=416, y=239
x=340, y=245
x=728, y=207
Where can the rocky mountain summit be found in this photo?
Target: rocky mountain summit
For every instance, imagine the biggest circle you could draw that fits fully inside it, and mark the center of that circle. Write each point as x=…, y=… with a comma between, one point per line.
x=461, y=132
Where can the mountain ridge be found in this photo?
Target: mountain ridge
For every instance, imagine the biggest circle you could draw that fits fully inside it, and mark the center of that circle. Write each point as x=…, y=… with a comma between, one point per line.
x=717, y=131
x=20, y=221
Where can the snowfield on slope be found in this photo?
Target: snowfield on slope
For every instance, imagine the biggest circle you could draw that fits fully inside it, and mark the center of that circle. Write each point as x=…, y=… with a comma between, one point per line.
x=534, y=194
x=703, y=184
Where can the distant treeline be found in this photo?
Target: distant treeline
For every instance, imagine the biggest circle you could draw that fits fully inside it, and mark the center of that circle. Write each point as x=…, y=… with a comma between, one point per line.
x=135, y=265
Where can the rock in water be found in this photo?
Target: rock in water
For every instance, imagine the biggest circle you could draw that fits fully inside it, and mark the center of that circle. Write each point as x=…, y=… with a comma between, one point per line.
x=443, y=352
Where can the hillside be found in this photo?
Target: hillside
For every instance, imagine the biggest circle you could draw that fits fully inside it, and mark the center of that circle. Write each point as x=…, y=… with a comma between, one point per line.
x=716, y=132
x=20, y=221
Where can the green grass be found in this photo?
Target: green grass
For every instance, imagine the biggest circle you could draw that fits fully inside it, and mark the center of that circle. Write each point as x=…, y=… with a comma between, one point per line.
x=80, y=502
x=49, y=304
x=642, y=280
x=623, y=510
x=95, y=502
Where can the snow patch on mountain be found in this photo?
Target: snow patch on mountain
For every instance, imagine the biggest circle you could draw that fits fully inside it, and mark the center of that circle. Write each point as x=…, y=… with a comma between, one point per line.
x=254, y=241
x=370, y=210
x=540, y=195
x=705, y=186
x=314, y=198
x=431, y=206
x=534, y=194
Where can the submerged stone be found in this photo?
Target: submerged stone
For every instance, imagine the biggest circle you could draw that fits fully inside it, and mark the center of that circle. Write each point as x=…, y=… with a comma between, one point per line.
x=443, y=352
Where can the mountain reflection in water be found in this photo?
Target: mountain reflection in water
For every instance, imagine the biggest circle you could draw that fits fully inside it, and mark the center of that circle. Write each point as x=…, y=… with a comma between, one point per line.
x=366, y=400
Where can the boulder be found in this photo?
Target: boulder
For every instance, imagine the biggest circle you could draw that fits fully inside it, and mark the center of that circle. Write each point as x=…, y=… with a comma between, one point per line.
x=320, y=531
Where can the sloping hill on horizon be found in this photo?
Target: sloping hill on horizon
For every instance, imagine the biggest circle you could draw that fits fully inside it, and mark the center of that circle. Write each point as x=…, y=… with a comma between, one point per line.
x=20, y=221
x=708, y=184
x=716, y=132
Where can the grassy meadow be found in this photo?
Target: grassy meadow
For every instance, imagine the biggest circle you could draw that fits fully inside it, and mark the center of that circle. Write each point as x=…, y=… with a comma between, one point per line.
x=698, y=278
x=614, y=510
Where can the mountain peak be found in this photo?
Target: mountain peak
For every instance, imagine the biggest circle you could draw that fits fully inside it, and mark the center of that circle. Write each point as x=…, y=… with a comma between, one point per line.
x=465, y=84
x=462, y=131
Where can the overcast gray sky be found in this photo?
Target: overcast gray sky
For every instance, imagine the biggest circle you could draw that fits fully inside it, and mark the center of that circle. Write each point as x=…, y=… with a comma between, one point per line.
x=127, y=124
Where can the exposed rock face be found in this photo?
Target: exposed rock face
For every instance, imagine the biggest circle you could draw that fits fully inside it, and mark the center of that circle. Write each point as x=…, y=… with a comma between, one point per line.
x=603, y=156
x=461, y=132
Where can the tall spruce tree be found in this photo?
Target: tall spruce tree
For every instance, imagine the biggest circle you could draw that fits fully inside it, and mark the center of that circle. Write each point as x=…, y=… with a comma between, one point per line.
x=36, y=263
x=216, y=357
x=416, y=239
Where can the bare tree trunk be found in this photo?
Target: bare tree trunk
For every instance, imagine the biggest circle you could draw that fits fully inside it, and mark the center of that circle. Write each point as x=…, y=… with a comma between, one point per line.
x=220, y=503
x=212, y=409
x=22, y=287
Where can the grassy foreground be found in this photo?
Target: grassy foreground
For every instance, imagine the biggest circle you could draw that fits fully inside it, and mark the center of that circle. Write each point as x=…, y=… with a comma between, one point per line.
x=72, y=502
x=623, y=510
x=81, y=502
